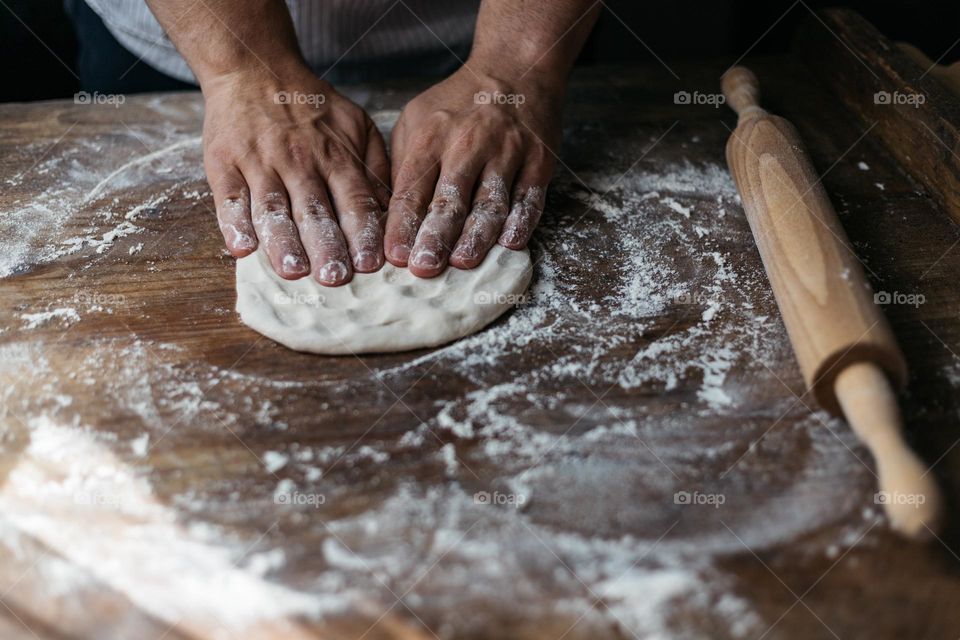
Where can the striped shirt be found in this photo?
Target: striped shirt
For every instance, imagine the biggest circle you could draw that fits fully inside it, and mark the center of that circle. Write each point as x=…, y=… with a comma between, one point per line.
x=334, y=35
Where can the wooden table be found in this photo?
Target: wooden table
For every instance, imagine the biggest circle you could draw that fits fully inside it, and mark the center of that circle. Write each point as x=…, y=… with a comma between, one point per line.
x=627, y=454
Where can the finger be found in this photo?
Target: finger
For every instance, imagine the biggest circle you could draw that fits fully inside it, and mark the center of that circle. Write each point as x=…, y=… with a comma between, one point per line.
x=446, y=214
x=529, y=196
x=275, y=227
x=414, y=186
x=320, y=234
x=358, y=212
x=231, y=198
x=482, y=227
x=378, y=165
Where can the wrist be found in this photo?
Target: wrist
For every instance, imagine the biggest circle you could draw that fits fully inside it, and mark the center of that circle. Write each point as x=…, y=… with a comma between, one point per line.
x=519, y=76
x=257, y=77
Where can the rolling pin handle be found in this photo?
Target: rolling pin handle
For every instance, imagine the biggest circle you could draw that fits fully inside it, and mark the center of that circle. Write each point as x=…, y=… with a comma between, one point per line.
x=908, y=492
x=742, y=91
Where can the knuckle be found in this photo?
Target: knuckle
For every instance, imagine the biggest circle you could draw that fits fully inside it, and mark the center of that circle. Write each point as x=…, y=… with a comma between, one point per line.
x=446, y=208
x=513, y=139
x=362, y=206
x=332, y=152
x=409, y=196
x=230, y=185
x=314, y=208
x=423, y=143
x=491, y=207
x=218, y=154
x=411, y=172
x=297, y=153
x=272, y=202
x=408, y=200
x=233, y=207
x=440, y=119
x=466, y=139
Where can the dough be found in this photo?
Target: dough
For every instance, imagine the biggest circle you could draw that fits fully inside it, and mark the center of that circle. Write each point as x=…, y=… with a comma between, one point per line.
x=390, y=310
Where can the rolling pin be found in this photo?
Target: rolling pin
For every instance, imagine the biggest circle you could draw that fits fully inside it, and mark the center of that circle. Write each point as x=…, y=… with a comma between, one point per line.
x=850, y=361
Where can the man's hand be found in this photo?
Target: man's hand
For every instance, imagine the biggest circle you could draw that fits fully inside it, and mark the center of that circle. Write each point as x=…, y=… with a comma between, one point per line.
x=473, y=155
x=298, y=168
x=472, y=158
x=293, y=165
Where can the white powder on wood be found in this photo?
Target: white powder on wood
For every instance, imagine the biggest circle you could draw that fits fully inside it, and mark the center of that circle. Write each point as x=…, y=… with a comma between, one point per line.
x=660, y=265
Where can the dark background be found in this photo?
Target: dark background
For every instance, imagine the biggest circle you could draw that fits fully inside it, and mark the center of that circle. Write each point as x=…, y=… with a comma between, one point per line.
x=37, y=45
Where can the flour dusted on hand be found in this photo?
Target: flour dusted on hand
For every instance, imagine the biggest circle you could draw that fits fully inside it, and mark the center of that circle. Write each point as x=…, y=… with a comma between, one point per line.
x=390, y=310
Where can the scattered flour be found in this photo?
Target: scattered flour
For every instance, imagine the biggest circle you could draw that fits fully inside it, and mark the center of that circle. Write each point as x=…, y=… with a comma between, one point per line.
x=273, y=461
x=162, y=567
x=140, y=445
x=426, y=535
x=65, y=315
x=81, y=181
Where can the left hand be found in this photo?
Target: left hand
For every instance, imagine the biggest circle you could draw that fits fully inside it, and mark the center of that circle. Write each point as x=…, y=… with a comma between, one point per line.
x=471, y=160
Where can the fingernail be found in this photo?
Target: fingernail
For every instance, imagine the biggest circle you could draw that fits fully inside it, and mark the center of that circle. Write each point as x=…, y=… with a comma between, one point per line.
x=400, y=253
x=243, y=242
x=293, y=263
x=510, y=236
x=332, y=272
x=366, y=261
x=426, y=259
x=464, y=253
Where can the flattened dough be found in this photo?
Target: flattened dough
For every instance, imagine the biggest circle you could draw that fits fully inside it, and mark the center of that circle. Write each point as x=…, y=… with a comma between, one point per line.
x=390, y=310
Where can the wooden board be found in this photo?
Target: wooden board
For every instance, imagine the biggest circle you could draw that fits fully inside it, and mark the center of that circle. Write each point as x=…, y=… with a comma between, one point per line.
x=914, y=111
x=627, y=454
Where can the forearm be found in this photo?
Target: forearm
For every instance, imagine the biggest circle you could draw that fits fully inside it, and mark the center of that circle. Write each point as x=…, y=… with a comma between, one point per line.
x=532, y=39
x=223, y=38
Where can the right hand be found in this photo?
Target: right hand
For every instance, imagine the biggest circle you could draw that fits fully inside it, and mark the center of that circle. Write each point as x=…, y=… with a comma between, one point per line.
x=298, y=168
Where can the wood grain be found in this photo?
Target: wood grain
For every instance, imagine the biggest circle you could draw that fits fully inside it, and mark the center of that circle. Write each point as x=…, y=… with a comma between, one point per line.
x=569, y=398
x=913, y=111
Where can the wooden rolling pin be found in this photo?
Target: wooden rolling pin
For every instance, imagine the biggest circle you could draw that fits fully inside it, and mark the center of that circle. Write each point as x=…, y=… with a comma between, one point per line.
x=846, y=351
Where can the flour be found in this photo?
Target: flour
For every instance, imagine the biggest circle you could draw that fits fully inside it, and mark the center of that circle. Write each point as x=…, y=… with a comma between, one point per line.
x=162, y=567
x=140, y=445
x=651, y=282
x=274, y=461
x=65, y=315
x=676, y=206
x=72, y=183
x=509, y=483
